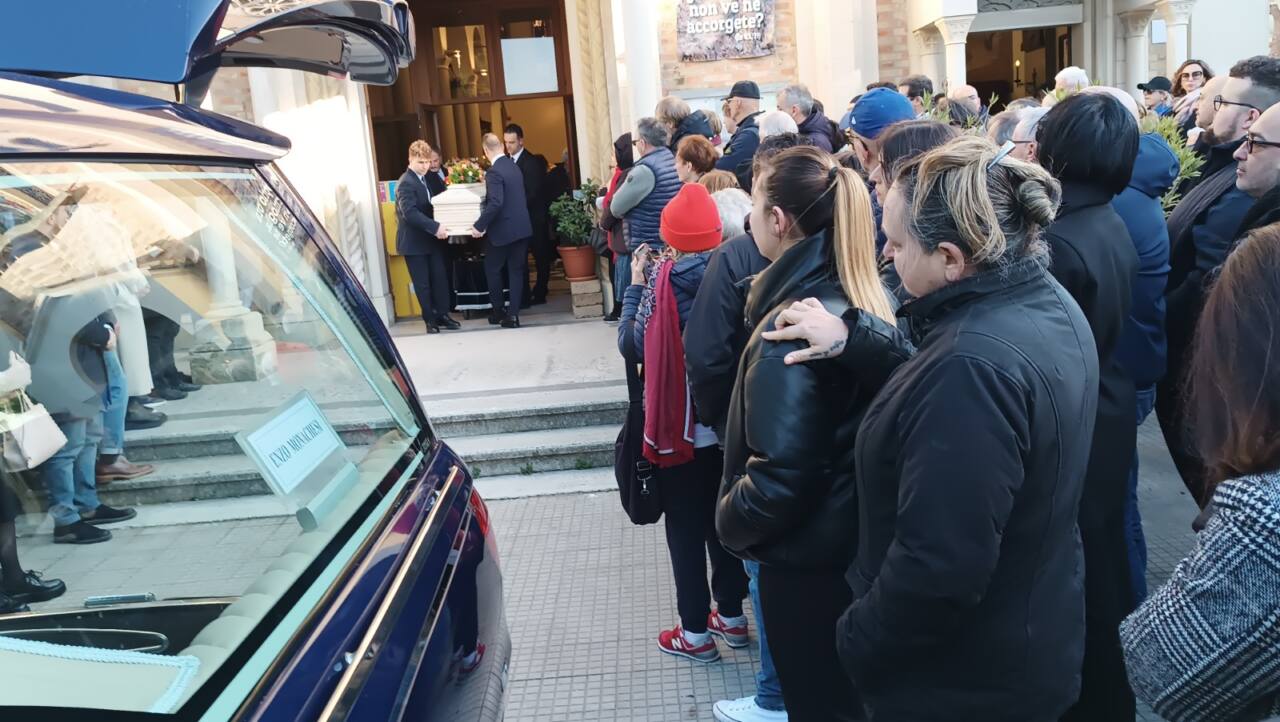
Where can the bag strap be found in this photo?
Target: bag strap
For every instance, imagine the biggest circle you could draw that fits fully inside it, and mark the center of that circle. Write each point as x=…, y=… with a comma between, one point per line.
x=635, y=383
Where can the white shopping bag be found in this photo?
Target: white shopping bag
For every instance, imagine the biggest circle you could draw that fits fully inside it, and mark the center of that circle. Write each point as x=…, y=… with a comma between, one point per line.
x=28, y=436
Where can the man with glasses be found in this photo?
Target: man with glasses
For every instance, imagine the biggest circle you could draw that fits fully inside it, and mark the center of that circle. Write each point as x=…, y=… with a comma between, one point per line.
x=1258, y=172
x=1201, y=231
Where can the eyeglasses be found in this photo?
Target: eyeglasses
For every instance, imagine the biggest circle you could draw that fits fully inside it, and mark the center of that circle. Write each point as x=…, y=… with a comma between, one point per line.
x=1252, y=141
x=1218, y=102
x=1192, y=74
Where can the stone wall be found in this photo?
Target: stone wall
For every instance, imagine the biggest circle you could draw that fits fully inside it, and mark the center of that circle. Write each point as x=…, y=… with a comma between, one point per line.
x=894, y=39
x=777, y=69
x=229, y=93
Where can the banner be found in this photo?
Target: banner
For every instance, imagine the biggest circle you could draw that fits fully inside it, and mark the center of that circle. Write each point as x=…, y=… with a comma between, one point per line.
x=724, y=29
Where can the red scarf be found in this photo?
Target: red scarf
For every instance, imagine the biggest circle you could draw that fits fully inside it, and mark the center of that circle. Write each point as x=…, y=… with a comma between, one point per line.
x=668, y=407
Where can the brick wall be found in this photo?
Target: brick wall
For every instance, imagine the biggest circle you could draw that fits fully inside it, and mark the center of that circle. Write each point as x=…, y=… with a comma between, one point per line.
x=895, y=39
x=779, y=68
x=229, y=93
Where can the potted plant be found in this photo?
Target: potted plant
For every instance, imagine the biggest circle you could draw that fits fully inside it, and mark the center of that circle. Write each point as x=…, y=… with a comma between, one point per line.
x=575, y=216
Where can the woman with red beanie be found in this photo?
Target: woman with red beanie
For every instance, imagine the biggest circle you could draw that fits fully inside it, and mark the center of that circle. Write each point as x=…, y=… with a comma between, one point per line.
x=686, y=457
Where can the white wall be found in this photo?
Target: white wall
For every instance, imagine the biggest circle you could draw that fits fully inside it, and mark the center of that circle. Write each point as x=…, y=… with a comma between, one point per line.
x=1224, y=31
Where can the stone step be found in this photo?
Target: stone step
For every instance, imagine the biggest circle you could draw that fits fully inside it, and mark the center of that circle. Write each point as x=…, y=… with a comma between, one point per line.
x=548, y=483
x=186, y=435
x=234, y=475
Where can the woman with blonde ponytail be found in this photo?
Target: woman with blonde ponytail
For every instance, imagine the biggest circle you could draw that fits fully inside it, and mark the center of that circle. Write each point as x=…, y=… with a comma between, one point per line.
x=968, y=586
x=787, y=500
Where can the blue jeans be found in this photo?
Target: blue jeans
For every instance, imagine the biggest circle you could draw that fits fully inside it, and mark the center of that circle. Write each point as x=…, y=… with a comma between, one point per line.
x=115, y=401
x=69, y=474
x=768, y=688
x=621, y=277
x=1135, y=540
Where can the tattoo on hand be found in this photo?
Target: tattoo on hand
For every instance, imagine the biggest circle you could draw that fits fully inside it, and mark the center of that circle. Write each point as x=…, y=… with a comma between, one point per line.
x=836, y=348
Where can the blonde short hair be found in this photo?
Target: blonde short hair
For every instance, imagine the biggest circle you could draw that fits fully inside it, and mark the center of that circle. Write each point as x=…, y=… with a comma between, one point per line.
x=420, y=150
x=672, y=110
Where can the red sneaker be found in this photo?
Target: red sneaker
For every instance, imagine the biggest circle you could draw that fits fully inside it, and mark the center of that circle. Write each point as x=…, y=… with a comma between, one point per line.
x=672, y=641
x=735, y=637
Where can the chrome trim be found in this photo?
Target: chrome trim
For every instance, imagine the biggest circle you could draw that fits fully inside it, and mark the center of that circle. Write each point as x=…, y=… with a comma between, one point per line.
x=347, y=690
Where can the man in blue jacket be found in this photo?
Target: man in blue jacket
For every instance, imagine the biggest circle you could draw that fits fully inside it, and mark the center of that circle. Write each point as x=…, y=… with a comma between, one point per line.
x=743, y=106
x=504, y=223
x=1141, y=349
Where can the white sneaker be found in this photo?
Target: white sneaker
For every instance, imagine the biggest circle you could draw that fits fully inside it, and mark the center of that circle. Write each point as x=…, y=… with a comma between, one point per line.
x=746, y=710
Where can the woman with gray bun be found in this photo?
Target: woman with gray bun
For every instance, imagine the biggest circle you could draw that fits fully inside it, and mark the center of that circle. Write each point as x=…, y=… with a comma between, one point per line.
x=968, y=584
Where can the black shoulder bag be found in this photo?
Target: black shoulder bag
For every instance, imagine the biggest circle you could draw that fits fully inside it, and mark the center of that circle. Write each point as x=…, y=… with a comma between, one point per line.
x=637, y=480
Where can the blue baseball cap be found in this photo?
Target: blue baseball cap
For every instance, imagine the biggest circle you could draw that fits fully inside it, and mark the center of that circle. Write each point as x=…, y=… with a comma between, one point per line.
x=879, y=109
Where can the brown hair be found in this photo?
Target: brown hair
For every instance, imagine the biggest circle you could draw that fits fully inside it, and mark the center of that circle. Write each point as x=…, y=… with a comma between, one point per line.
x=818, y=193
x=419, y=149
x=1178, y=91
x=718, y=180
x=698, y=152
x=1234, y=381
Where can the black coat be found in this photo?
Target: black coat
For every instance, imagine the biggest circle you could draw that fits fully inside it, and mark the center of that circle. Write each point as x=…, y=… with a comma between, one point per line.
x=817, y=130
x=504, y=217
x=968, y=587
x=533, y=170
x=1095, y=261
x=717, y=332
x=788, y=496
x=416, y=225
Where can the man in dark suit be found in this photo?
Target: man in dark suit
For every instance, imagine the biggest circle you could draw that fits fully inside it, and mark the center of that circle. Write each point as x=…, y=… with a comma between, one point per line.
x=504, y=223
x=533, y=169
x=437, y=179
x=421, y=240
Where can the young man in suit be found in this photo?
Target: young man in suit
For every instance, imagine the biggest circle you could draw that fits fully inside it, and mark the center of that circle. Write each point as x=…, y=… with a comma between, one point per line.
x=421, y=240
x=533, y=169
x=504, y=223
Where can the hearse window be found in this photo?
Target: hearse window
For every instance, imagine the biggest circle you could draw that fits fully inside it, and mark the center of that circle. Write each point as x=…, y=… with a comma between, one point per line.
x=188, y=416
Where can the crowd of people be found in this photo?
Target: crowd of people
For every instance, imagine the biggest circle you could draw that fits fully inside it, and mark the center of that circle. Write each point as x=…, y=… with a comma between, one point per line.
x=896, y=364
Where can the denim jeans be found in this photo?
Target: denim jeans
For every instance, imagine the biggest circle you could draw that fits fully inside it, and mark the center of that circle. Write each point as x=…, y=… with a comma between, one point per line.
x=69, y=474
x=621, y=277
x=768, y=688
x=1135, y=540
x=115, y=402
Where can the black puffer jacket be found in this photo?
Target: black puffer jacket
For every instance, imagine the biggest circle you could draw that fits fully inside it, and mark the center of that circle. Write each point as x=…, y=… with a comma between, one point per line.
x=788, y=496
x=716, y=333
x=694, y=124
x=968, y=587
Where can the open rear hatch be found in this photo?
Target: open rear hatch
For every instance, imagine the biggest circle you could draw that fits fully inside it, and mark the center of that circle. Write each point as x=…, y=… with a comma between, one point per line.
x=183, y=42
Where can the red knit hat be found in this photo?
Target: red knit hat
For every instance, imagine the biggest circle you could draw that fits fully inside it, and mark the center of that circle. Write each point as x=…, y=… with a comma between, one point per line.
x=691, y=222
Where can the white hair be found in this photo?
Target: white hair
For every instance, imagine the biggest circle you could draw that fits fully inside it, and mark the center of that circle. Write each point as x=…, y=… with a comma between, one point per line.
x=799, y=96
x=1072, y=78
x=1128, y=101
x=734, y=206
x=1028, y=121
x=776, y=122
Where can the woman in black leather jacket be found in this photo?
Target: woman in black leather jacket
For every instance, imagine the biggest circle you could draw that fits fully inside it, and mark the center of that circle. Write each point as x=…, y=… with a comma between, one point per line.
x=787, y=500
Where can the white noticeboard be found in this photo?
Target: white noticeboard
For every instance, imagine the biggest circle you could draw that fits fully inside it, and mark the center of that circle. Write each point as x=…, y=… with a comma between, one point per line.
x=529, y=65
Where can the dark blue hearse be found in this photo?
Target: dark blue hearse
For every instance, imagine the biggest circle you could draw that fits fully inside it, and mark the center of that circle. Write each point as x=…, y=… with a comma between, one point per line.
x=306, y=548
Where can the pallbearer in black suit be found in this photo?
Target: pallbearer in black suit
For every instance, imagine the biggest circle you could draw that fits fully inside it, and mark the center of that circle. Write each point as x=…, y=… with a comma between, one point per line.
x=421, y=240
x=533, y=168
x=504, y=224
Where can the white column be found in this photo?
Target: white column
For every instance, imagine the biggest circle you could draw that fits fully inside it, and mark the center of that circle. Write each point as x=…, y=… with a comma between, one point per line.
x=954, y=31
x=1177, y=16
x=636, y=39
x=836, y=50
x=1137, y=54
x=931, y=65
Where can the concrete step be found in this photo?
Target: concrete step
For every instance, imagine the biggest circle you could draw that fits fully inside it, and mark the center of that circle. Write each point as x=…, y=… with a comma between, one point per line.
x=548, y=483
x=531, y=452
x=186, y=435
x=229, y=476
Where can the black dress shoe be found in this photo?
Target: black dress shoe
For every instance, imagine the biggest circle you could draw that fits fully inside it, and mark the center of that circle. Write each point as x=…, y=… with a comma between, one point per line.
x=137, y=416
x=511, y=322
x=108, y=515
x=538, y=299
x=168, y=393
x=432, y=328
x=495, y=318
x=448, y=323
x=35, y=588
x=186, y=388
x=8, y=605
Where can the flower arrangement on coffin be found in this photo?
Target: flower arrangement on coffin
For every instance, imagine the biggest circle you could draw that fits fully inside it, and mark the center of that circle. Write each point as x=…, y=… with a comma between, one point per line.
x=465, y=171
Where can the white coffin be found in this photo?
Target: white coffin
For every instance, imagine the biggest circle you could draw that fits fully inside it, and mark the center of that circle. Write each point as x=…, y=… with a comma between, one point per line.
x=458, y=208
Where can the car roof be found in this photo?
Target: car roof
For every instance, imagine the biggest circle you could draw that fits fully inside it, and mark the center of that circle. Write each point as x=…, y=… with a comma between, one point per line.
x=46, y=118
